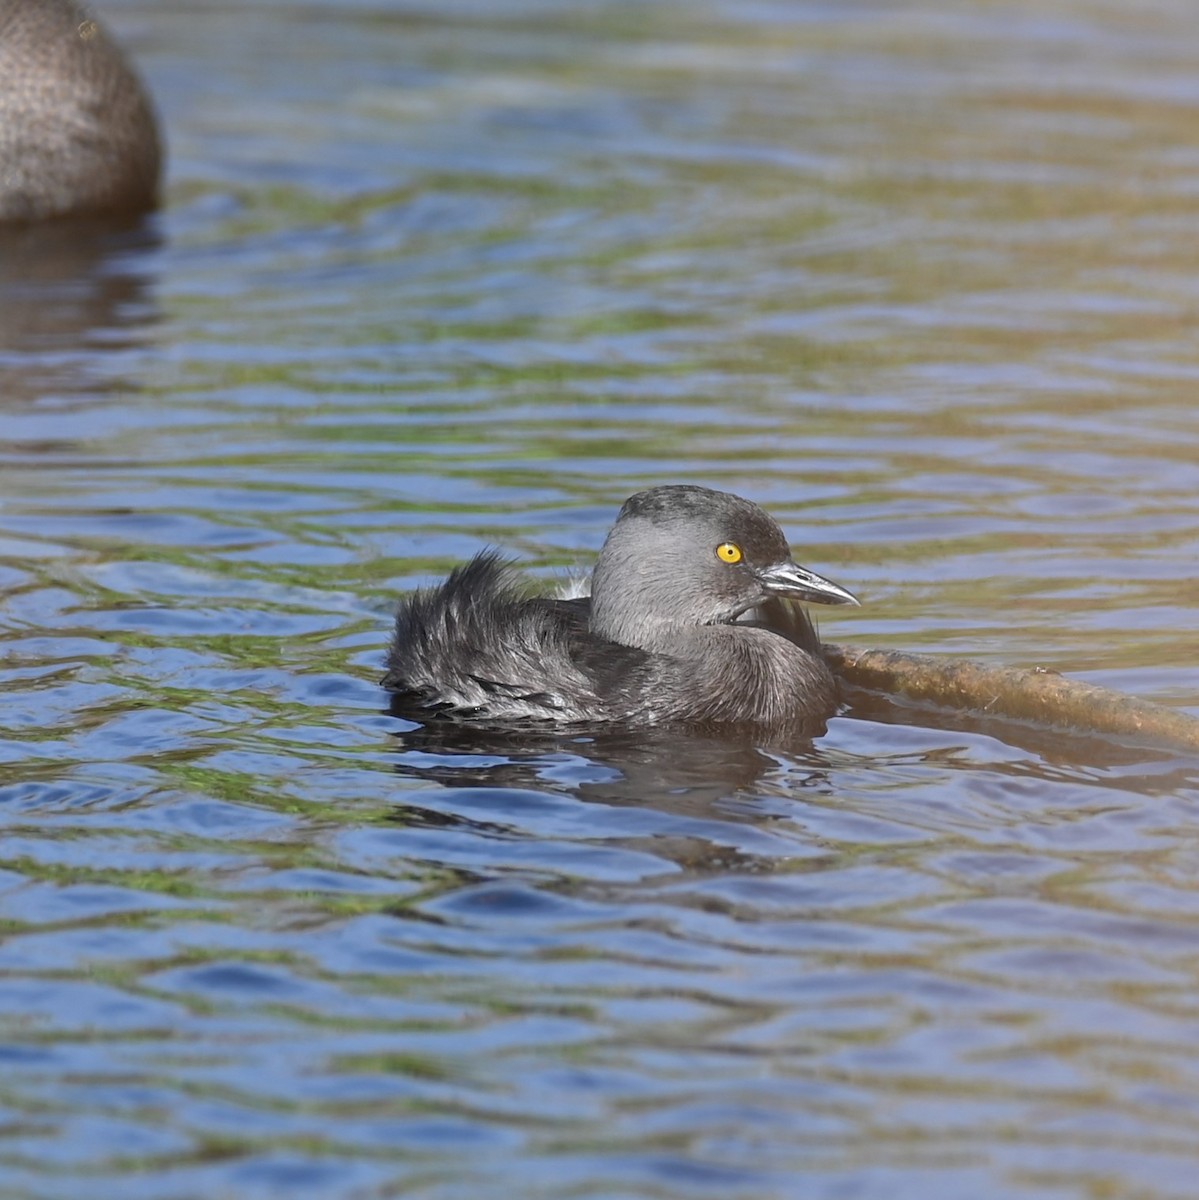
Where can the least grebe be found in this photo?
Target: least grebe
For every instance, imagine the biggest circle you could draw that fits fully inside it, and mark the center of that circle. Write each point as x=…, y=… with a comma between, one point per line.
x=689, y=621
x=77, y=132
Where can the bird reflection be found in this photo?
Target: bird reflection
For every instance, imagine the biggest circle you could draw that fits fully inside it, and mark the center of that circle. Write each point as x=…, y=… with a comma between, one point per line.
x=730, y=782
x=690, y=774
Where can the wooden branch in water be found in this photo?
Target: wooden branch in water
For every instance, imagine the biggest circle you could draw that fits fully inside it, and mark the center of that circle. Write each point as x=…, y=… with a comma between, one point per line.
x=1043, y=697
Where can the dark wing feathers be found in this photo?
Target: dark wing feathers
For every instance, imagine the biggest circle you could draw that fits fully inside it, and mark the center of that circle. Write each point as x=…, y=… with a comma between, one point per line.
x=480, y=645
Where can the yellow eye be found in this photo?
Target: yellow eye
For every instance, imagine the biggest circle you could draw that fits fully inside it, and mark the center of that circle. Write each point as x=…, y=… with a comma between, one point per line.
x=728, y=552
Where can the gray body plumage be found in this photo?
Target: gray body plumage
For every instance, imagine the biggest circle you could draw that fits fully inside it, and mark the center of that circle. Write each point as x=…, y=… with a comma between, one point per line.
x=669, y=634
x=77, y=132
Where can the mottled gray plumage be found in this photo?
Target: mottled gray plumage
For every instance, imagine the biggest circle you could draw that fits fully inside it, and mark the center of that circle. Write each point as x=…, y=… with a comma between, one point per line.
x=671, y=633
x=77, y=131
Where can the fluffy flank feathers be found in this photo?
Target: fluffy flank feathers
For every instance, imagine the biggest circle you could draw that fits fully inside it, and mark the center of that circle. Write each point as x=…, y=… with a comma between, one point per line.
x=478, y=645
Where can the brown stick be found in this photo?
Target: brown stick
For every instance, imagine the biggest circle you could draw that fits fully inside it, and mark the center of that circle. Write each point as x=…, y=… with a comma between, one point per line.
x=1043, y=697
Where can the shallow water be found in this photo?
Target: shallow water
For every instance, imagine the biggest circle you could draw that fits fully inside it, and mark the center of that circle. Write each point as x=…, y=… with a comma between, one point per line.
x=922, y=280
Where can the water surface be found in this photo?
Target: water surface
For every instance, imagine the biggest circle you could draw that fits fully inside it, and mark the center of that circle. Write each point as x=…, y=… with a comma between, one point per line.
x=919, y=278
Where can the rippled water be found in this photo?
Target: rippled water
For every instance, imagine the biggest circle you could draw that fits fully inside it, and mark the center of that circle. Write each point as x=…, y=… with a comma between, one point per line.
x=922, y=280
